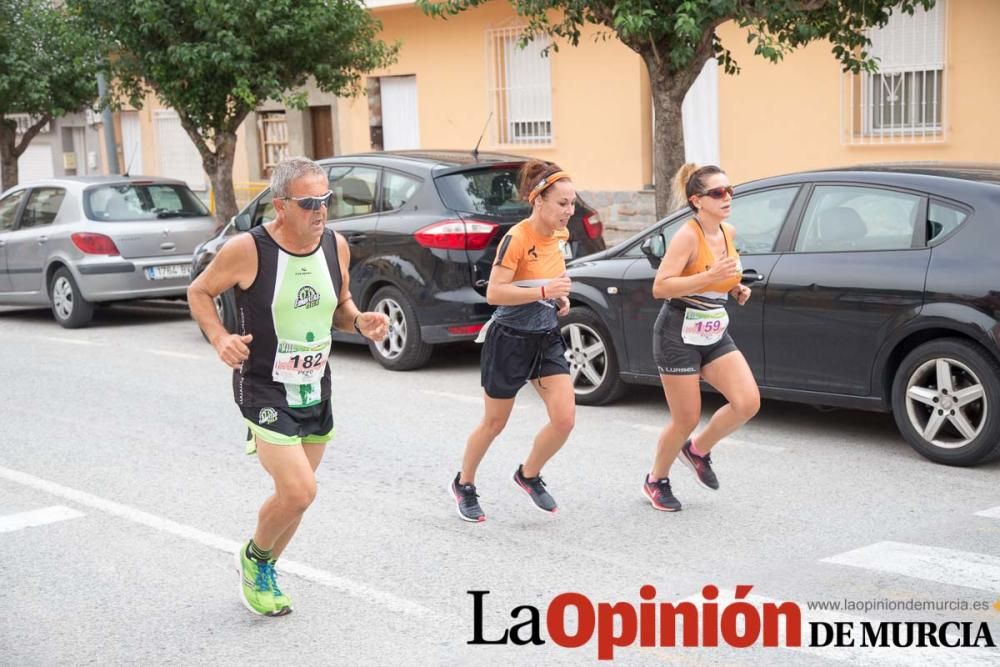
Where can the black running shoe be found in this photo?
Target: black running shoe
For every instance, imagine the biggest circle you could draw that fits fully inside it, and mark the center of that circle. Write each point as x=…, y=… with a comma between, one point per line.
x=660, y=495
x=467, y=501
x=535, y=487
x=701, y=465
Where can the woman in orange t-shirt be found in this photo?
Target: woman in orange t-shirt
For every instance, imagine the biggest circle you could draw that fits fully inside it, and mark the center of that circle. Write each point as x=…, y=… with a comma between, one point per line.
x=522, y=342
x=698, y=274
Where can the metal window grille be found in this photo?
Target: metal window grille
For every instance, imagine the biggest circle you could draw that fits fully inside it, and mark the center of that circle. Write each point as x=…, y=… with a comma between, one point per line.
x=520, y=88
x=904, y=103
x=24, y=121
x=273, y=129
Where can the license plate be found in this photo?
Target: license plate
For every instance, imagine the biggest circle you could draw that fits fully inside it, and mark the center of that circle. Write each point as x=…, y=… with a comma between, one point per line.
x=168, y=271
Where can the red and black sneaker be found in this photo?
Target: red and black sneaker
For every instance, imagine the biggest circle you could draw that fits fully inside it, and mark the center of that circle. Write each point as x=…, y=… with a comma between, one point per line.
x=660, y=495
x=467, y=500
x=535, y=488
x=701, y=465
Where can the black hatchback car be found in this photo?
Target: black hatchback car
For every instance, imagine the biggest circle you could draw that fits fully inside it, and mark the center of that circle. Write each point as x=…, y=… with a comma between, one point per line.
x=423, y=228
x=875, y=288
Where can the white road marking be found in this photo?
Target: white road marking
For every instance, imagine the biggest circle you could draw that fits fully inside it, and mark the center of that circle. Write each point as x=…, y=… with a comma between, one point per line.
x=181, y=355
x=456, y=397
x=352, y=588
x=47, y=515
x=945, y=566
x=73, y=341
x=854, y=655
x=992, y=513
x=649, y=428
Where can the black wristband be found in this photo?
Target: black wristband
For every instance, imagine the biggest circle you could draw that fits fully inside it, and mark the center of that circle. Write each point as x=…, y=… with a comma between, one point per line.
x=356, y=327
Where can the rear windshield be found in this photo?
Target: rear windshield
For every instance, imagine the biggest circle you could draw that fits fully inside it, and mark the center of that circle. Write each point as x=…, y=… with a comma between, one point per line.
x=491, y=191
x=133, y=201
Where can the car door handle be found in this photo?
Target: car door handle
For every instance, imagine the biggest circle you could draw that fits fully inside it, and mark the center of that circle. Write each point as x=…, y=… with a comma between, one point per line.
x=168, y=246
x=2, y=243
x=356, y=237
x=42, y=240
x=752, y=276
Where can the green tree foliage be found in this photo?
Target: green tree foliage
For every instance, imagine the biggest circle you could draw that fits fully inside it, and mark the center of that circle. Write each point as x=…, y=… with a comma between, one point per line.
x=215, y=61
x=676, y=37
x=48, y=68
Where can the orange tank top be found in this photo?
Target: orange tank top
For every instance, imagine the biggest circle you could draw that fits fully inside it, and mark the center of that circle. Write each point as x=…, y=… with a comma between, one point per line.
x=705, y=258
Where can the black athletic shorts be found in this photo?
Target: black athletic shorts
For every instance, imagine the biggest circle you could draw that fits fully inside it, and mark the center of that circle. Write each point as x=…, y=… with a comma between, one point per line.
x=288, y=426
x=675, y=357
x=511, y=358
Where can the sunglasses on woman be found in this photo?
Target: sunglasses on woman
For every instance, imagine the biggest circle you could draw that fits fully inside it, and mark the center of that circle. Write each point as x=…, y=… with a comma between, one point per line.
x=312, y=203
x=718, y=193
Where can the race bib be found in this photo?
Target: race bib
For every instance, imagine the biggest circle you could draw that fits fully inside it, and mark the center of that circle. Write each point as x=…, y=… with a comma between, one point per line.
x=704, y=327
x=298, y=362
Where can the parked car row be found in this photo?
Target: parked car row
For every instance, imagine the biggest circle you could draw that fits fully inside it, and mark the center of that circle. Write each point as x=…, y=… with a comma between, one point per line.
x=873, y=288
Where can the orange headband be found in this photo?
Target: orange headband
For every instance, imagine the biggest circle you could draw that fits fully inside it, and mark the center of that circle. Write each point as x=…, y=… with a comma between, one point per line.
x=544, y=183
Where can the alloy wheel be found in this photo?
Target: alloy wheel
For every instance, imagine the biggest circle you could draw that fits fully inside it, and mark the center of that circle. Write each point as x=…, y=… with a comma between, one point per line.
x=395, y=339
x=587, y=357
x=946, y=403
x=62, y=298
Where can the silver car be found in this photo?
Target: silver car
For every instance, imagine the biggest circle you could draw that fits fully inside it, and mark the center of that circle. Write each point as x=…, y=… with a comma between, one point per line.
x=73, y=242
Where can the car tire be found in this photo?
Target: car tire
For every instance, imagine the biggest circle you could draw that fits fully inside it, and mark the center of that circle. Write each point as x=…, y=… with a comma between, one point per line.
x=954, y=431
x=403, y=349
x=225, y=307
x=591, y=357
x=69, y=307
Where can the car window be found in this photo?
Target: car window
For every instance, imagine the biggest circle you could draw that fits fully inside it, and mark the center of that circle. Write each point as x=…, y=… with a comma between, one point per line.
x=942, y=219
x=141, y=201
x=42, y=207
x=758, y=217
x=841, y=218
x=354, y=191
x=8, y=210
x=397, y=189
x=265, y=209
x=487, y=191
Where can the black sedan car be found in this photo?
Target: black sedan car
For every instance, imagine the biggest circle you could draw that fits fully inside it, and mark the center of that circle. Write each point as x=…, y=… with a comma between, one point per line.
x=423, y=228
x=875, y=288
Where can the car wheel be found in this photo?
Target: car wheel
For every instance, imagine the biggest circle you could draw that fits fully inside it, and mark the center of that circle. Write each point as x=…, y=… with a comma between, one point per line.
x=402, y=349
x=225, y=308
x=593, y=366
x=946, y=402
x=69, y=307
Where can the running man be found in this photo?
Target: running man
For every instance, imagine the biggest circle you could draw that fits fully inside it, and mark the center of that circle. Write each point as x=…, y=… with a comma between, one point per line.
x=291, y=282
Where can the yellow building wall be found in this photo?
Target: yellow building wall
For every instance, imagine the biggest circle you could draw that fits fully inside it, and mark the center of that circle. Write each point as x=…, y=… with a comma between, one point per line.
x=784, y=117
x=600, y=106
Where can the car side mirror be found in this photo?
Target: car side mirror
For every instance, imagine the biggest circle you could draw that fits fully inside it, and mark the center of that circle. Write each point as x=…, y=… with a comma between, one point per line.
x=242, y=222
x=653, y=248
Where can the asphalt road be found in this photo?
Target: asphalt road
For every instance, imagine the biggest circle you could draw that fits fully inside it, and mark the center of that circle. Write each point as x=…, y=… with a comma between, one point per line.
x=124, y=491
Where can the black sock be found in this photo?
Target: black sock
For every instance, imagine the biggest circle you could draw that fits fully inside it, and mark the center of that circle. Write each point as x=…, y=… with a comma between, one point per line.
x=258, y=554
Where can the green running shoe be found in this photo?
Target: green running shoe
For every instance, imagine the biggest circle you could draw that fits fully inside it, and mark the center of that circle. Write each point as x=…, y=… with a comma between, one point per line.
x=255, y=585
x=282, y=603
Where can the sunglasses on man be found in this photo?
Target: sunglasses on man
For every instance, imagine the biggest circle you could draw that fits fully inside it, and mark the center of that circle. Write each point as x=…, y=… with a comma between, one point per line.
x=718, y=193
x=312, y=203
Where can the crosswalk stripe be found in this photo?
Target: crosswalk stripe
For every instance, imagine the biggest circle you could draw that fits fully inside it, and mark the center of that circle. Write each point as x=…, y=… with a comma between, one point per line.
x=41, y=517
x=992, y=513
x=945, y=566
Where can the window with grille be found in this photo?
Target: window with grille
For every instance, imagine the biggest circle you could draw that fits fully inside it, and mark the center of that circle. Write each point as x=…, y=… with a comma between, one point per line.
x=273, y=128
x=904, y=101
x=520, y=88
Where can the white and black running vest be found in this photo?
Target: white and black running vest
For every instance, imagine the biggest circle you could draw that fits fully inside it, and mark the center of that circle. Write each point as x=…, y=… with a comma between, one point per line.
x=289, y=307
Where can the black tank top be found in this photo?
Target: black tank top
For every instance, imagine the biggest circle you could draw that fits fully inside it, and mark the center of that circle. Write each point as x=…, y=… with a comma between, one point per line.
x=289, y=311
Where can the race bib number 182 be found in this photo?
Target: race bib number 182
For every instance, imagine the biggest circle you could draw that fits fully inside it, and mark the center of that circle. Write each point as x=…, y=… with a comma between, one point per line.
x=298, y=362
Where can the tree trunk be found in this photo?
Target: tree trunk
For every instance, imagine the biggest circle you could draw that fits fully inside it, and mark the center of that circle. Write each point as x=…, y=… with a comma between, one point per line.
x=8, y=159
x=221, y=175
x=668, y=88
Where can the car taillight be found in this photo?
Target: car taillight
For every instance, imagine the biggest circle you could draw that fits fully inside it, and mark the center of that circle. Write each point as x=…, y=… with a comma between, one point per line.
x=456, y=235
x=94, y=244
x=466, y=330
x=592, y=225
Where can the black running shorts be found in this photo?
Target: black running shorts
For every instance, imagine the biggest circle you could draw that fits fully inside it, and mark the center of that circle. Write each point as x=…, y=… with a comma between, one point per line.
x=511, y=358
x=675, y=357
x=288, y=426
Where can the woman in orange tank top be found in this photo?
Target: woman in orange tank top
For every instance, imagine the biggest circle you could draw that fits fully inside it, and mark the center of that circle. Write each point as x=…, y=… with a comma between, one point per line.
x=698, y=274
